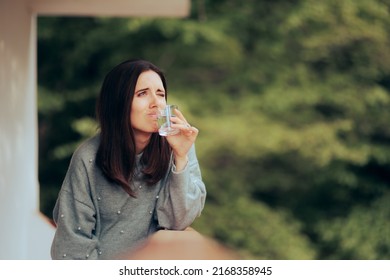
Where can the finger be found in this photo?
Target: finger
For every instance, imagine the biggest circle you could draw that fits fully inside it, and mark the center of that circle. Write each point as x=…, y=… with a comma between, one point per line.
x=180, y=115
x=180, y=121
x=182, y=126
x=191, y=129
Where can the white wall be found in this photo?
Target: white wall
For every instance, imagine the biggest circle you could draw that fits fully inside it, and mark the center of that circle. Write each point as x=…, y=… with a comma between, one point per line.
x=24, y=232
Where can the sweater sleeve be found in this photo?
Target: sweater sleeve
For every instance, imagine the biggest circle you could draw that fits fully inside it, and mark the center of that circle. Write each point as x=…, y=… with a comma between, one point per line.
x=74, y=216
x=182, y=198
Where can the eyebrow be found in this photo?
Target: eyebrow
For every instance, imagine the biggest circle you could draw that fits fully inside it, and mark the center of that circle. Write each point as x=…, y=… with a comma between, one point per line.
x=142, y=89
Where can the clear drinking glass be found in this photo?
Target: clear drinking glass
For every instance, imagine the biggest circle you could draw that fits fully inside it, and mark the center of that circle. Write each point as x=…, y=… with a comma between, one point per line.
x=164, y=121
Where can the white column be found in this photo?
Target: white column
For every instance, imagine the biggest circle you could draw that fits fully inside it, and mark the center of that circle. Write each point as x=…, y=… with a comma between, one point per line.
x=24, y=234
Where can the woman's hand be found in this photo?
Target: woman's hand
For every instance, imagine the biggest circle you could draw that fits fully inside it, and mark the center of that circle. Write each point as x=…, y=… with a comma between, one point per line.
x=183, y=141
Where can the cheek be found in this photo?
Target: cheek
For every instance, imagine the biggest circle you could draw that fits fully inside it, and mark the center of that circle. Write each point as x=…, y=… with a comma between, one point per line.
x=134, y=116
x=162, y=103
x=137, y=114
x=136, y=108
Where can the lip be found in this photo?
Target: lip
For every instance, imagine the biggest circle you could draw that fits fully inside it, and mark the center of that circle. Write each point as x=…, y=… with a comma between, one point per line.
x=153, y=115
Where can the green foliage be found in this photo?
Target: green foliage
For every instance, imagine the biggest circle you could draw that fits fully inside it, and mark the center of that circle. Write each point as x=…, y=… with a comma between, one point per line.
x=363, y=234
x=292, y=99
x=341, y=36
x=255, y=231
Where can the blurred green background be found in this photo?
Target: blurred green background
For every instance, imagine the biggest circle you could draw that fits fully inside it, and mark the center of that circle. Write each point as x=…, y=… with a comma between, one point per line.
x=292, y=100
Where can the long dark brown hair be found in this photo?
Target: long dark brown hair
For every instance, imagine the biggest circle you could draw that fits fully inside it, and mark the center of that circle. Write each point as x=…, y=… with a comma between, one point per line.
x=116, y=155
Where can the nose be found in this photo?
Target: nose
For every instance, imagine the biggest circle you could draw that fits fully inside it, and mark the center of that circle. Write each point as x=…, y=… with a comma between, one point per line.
x=155, y=101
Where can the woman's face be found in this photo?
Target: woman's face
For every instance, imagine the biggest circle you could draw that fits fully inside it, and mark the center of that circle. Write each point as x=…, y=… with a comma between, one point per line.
x=149, y=96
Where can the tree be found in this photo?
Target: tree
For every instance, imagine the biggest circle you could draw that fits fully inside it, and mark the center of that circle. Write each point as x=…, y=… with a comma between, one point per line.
x=292, y=102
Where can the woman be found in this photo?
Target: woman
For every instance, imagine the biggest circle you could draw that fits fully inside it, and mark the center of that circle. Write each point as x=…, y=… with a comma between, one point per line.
x=128, y=182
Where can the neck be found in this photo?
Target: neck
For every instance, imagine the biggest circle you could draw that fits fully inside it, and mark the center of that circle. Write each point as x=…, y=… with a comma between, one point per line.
x=141, y=141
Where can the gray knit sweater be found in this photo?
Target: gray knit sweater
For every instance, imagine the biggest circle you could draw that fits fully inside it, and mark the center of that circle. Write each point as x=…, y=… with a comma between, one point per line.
x=97, y=219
